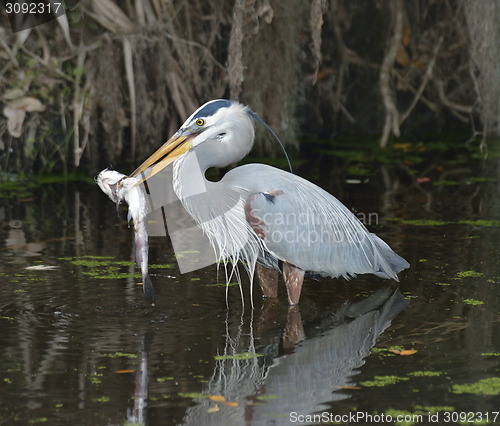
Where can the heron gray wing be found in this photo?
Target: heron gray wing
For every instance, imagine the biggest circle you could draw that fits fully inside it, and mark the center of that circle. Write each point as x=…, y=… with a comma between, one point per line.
x=304, y=225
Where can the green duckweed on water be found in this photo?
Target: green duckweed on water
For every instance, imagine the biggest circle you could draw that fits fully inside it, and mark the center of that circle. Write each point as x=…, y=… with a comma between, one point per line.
x=95, y=380
x=183, y=253
x=161, y=266
x=380, y=381
x=418, y=416
x=111, y=274
x=446, y=183
x=469, y=274
x=482, y=223
x=267, y=397
x=92, y=256
x=197, y=395
x=163, y=379
x=382, y=352
x=7, y=318
x=102, y=399
x=434, y=408
x=106, y=267
x=481, y=179
x=241, y=356
x=220, y=285
x=425, y=373
x=473, y=302
x=389, y=351
x=120, y=354
x=489, y=386
x=421, y=222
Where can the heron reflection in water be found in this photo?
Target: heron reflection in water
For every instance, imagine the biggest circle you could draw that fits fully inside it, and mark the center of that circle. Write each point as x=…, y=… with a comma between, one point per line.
x=271, y=220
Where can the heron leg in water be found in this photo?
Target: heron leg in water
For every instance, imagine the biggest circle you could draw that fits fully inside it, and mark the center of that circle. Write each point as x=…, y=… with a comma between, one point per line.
x=294, y=277
x=294, y=329
x=268, y=280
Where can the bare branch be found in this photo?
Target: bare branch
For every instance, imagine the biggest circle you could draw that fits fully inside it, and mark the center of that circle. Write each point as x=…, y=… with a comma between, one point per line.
x=129, y=71
x=423, y=84
x=466, y=109
x=235, y=52
x=391, y=111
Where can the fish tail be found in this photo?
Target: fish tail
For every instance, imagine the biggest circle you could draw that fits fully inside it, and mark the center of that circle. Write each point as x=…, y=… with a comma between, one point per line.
x=147, y=286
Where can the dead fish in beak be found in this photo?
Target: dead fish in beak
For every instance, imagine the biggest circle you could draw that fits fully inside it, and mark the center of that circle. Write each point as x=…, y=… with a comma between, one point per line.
x=121, y=188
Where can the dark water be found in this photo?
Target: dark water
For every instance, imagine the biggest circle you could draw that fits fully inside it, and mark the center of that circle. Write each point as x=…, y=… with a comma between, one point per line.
x=79, y=345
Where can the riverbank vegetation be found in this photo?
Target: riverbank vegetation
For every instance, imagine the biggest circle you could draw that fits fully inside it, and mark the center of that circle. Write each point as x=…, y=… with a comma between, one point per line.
x=110, y=80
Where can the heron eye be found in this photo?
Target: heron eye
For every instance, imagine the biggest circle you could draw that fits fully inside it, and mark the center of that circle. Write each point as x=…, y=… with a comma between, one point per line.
x=200, y=122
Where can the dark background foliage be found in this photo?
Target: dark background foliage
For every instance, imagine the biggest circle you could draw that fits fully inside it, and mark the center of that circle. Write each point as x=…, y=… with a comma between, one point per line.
x=110, y=80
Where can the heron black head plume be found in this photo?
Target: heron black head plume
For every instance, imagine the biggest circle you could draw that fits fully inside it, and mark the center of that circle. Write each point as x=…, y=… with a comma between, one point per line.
x=268, y=127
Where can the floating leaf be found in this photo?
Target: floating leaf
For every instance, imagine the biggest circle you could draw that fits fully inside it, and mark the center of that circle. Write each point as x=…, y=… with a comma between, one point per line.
x=424, y=179
x=216, y=398
x=403, y=352
x=408, y=352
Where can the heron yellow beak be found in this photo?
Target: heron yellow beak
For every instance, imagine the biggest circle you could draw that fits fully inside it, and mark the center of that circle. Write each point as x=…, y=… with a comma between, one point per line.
x=176, y=146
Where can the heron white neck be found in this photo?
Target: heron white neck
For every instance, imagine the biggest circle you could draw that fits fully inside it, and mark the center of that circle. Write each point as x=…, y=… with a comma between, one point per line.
x=189, y=176
x=215, y=207
x=204, y=200
x=218, y=207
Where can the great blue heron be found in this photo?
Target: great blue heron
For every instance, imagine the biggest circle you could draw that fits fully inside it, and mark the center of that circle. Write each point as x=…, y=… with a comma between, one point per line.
x=271, y=220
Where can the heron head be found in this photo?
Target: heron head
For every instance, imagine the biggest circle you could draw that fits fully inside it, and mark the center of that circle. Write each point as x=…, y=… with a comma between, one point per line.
x=220, y=130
